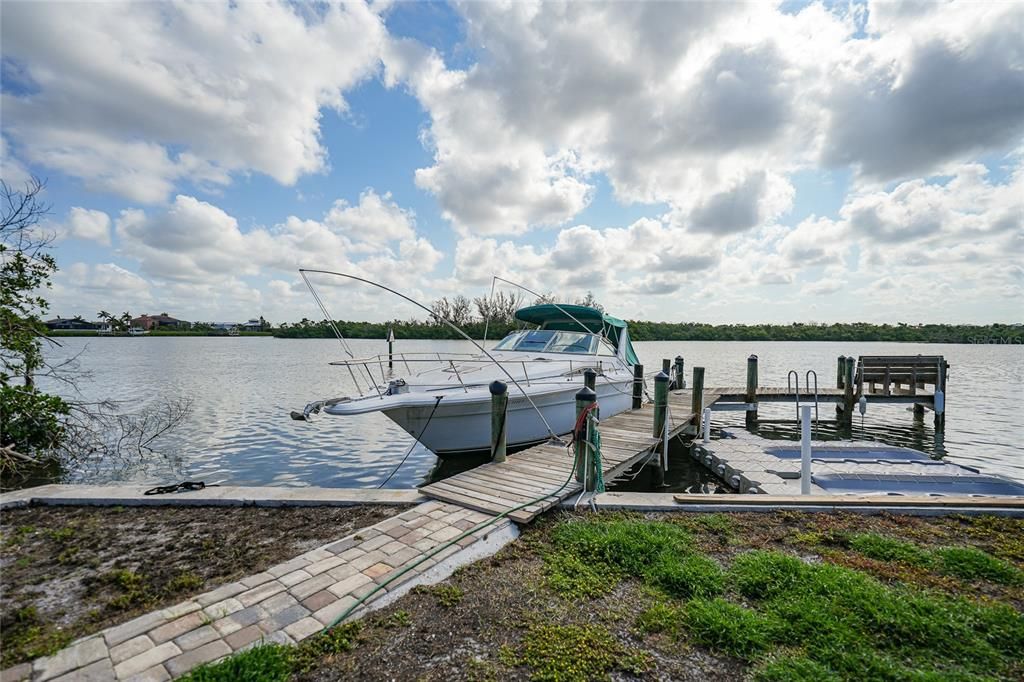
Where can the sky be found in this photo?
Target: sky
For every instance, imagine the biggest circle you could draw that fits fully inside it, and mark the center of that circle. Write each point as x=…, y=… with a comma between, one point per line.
x=684, y=161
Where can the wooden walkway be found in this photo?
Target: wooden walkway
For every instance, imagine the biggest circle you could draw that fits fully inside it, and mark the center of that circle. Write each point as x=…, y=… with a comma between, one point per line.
x=541, y=471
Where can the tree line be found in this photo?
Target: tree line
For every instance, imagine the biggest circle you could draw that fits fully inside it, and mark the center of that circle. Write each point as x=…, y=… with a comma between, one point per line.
x=642, y=330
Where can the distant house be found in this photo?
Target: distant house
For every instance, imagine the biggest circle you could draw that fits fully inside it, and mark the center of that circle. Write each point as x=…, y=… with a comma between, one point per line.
x=253, y=325
x=71, y=323
x=224, y=326
x=163, y=320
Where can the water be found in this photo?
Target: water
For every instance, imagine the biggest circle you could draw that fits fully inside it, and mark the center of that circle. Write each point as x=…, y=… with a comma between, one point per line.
x=243, y=388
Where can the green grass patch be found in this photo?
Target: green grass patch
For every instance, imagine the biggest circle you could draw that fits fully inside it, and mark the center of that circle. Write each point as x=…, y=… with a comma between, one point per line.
x=725, y=626
x=184, y=581
x=592, y=555
x=794, y=668
x=27, y=636
x=574, y=578
x=276, y=663
x=265, y=663
x=574, y=653
x=662, y=617
x=852, y=625
x=714, y=523
x=967, y=563
x=973, y=564
x=446, y=595
x=882, y=548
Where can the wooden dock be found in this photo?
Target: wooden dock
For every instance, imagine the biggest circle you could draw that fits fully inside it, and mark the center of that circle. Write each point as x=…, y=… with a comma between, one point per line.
x=626, y=439
x=542, y=472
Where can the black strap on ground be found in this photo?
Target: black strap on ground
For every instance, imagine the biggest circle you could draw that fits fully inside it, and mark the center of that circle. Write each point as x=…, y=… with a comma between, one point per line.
x=184, y=486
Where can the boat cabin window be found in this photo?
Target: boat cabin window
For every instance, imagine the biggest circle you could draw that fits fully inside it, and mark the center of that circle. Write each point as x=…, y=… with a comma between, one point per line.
x=552, y=341
x=510, y=341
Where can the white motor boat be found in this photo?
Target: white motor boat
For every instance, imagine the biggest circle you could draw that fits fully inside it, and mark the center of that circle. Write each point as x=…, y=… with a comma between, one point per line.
x=444, y=400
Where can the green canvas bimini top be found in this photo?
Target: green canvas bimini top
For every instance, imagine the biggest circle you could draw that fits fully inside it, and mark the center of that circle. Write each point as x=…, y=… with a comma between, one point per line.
x=569, y=317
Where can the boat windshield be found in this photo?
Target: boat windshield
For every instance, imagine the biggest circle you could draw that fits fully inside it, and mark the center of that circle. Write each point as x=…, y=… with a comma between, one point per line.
x=549, y=341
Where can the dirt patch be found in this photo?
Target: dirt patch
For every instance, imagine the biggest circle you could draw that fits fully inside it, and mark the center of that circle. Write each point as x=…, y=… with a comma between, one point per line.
x=71, y=571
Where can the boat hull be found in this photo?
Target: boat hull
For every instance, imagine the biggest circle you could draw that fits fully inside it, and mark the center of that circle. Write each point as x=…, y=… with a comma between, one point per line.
x=462, y=428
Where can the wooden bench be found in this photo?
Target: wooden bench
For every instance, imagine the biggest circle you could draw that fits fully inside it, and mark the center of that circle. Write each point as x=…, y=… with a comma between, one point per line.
x=895, y=371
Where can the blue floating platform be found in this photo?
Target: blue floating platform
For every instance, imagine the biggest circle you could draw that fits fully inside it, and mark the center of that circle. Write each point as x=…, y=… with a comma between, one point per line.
x=857, y=453
x=902, y=484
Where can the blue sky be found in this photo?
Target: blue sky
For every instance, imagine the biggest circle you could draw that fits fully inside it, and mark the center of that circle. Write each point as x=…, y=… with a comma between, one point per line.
x=716, y=162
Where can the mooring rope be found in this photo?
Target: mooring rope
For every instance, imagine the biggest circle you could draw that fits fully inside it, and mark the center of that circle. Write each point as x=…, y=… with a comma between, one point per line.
x=412, y=446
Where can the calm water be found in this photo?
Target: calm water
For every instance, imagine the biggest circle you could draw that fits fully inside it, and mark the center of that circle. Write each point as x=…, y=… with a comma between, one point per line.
x=242, y=389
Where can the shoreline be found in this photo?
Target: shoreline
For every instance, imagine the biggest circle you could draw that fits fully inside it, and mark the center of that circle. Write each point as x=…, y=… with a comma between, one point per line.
x=969, y=341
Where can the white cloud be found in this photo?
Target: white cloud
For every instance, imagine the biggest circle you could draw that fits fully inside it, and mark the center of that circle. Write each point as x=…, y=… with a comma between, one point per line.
x=937, y=83
x=88, y=224
x=135, y=97
x=193, y=243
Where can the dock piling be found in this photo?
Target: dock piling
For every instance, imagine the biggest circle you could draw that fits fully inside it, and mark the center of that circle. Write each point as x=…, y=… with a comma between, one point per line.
x=638, y=386
x=661, y=386
x=680, y=368
x=751, y=396
x=697, y=399
x=499, y=411
x=666, y=367
x=590, y=379
x=848, y=391
x=585, y=397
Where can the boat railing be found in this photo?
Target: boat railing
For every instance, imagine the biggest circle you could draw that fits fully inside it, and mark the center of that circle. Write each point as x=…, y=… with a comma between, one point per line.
x=430, y=361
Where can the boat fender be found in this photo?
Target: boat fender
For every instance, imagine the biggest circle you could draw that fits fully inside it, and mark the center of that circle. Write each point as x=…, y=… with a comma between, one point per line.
x=940, y=402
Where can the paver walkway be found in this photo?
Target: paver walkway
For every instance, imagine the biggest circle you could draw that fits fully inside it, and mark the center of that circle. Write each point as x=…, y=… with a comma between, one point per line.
x=284, y=604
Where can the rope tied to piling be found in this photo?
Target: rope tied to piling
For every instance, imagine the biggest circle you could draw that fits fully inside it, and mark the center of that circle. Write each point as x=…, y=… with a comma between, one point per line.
x=591, y=440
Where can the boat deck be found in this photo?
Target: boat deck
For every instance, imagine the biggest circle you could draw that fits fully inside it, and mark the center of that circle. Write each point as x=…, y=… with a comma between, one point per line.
x=543, y=471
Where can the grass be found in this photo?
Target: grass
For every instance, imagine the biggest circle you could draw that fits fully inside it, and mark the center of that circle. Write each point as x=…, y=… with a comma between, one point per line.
x=792, y=619
x=592, y=556
x=967, y=563
x=276, y=663
x=446, y=595
x=575, y=653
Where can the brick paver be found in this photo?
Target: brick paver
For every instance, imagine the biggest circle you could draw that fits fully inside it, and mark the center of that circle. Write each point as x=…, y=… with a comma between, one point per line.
x=284, y=604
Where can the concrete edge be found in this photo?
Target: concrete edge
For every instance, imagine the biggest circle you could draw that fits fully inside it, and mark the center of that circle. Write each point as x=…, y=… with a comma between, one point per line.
x=213, y=496
x=665, y=502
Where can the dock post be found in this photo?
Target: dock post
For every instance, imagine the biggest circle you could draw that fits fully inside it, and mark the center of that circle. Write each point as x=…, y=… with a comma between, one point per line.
x=805, y=449
x=939, y=401
x=590, y=379
x=848, y=393
x=661, y=382
x=680, y=373
x=697, y=400
x=918, y=412
x=499, y=410
x=751, y=397
x=585, y=397
x=666, y=367
x=638, y=386
x=840, y=369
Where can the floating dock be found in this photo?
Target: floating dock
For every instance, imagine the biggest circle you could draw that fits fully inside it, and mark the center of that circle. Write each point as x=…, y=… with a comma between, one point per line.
x=751, y=464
